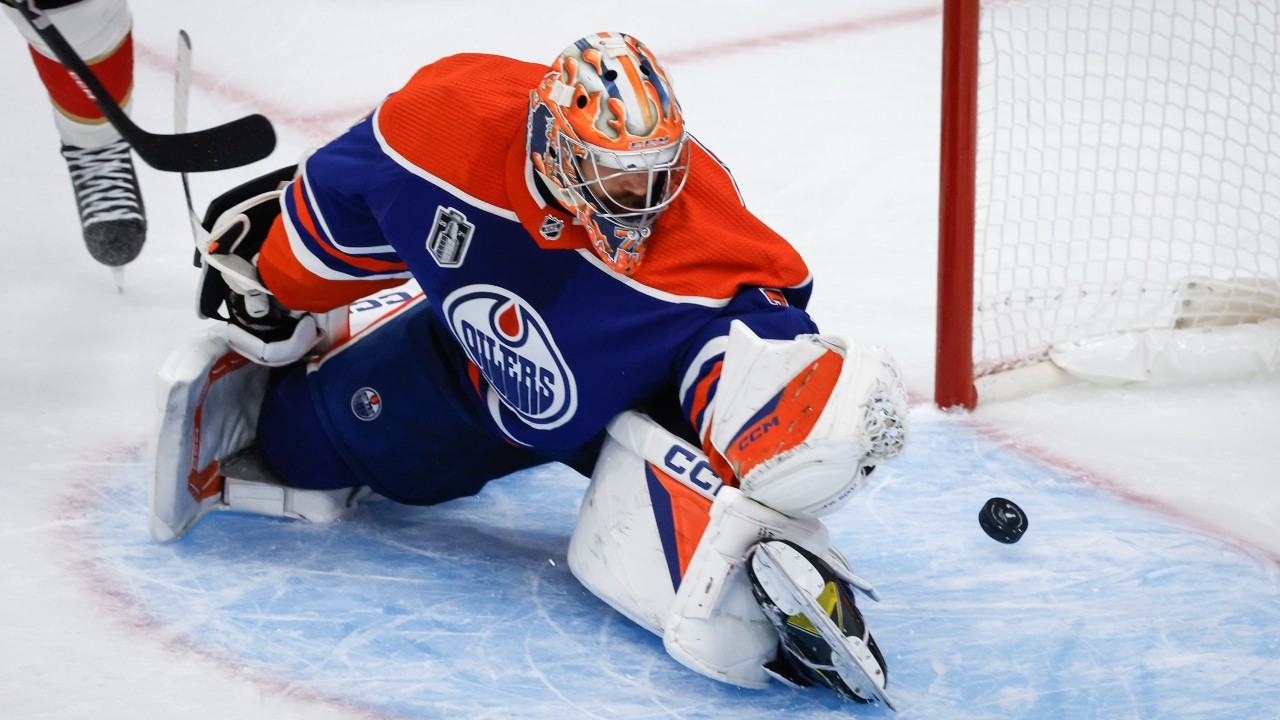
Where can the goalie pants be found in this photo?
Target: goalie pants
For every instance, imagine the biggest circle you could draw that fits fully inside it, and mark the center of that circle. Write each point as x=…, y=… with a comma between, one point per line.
x=388, y=410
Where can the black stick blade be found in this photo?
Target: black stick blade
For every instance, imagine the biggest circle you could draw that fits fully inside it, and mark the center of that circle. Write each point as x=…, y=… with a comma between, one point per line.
x=235, y=144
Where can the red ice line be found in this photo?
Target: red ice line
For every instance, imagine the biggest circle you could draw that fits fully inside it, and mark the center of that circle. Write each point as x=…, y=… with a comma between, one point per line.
x=323, y=126
x=804, y=35
x=320, y=126
x=129, y=611
x=1073, y=470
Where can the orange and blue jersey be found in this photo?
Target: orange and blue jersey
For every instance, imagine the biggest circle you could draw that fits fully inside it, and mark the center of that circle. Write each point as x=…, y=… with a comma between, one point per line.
x=543, y=341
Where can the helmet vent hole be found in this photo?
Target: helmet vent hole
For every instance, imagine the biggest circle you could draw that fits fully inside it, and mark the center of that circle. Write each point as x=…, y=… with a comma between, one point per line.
x=610, y=75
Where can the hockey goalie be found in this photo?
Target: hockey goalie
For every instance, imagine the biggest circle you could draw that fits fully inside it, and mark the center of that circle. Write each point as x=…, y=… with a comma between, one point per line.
x=560, y=272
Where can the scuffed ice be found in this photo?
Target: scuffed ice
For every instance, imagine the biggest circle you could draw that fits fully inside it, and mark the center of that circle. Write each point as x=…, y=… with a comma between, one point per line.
x=1104, y=610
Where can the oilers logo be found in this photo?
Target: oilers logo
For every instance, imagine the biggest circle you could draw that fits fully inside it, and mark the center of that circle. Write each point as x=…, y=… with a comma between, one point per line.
x=366, y=403
x=511, y=345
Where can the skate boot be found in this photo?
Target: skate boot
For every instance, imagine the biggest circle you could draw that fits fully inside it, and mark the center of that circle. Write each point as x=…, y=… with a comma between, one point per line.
x=111, y=212
x=825, y=640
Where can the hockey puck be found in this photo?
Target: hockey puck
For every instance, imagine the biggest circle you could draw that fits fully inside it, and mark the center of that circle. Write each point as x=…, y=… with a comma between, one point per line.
x=1003, y=520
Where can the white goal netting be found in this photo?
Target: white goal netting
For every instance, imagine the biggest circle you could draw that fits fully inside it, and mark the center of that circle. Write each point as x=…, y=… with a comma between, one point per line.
x=1128, y=171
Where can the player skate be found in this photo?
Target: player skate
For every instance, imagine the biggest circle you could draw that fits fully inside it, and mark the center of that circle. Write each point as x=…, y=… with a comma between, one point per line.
x=202, y=455
x=825, y=640
x=110, y=204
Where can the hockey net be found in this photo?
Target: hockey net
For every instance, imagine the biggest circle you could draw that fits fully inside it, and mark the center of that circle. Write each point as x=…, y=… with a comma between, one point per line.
x=1111, y=175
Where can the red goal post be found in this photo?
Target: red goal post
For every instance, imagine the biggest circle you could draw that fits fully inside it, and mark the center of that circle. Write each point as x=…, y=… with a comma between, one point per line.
x=1109, y=194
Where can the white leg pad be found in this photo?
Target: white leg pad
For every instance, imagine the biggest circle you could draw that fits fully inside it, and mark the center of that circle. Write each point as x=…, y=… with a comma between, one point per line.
x=209, y=400
x=630, y=543
x=715, y=626
x=618, y=550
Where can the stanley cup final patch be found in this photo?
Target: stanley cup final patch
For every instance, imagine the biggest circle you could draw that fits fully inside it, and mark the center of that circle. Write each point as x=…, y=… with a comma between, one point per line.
x=450, y=236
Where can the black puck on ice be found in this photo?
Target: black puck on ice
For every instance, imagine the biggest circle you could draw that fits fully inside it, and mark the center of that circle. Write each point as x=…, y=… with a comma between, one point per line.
x=1003, y=520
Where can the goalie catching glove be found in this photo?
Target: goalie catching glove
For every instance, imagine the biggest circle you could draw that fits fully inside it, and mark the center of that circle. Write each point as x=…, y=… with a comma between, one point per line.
x=258, y=326
x=802, y=422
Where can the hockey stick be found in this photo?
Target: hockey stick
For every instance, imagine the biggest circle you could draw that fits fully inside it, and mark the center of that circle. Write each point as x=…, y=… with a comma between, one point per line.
x=231, y=145
x=181, y=95
x=215, y=268
x=200, y=229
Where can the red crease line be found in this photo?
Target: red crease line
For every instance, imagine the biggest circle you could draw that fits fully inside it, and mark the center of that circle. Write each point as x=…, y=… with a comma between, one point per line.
x=322, y=126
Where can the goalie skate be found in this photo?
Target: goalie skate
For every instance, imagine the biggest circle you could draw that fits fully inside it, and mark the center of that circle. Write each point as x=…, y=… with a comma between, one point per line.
x=824, y=637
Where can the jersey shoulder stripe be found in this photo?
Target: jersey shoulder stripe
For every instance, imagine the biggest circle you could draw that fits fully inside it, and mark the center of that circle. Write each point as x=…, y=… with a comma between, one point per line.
x=322, y=225
x=309, y=241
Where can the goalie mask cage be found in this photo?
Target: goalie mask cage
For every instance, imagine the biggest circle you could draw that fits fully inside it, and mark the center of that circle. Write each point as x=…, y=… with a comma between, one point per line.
x=1108, y=167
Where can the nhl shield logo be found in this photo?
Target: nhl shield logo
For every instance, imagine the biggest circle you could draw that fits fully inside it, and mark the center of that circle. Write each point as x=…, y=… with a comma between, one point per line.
x=551, y=228
x=450, y=236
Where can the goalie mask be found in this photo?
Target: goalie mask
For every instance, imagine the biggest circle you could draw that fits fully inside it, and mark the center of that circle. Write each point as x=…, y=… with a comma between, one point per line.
x=607, y=136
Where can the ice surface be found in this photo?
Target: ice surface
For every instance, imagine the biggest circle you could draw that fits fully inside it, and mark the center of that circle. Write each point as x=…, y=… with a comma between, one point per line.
x=469, y=610
x=1145, y=587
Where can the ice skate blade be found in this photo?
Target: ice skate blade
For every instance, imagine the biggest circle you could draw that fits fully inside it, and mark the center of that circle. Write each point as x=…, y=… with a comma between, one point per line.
x=850, y=657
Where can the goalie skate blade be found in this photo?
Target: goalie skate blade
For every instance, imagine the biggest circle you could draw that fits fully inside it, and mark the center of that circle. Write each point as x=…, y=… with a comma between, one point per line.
x=850, y=657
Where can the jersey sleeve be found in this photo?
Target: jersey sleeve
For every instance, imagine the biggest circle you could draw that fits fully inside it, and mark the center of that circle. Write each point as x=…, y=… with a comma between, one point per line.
x=771, y=314
x=327, y=247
